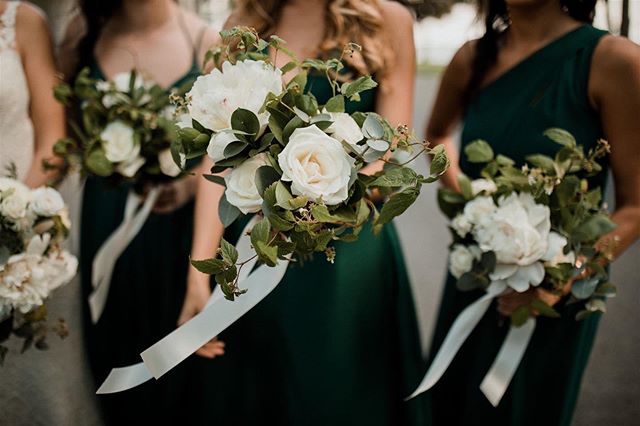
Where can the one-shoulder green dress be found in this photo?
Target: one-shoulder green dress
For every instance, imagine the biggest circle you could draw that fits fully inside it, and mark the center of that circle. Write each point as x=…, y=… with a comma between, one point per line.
x=333, y=344
x=547, y=89
x=146, y=295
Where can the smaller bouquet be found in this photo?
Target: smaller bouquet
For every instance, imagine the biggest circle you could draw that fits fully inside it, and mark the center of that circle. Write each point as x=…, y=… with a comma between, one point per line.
x=33, y=224
x=519, y=228
x=125, y=129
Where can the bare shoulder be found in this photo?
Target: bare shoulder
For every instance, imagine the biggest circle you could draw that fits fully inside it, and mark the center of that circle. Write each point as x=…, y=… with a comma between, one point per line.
x=199, y=27
x=30, y=18
x=617, y=55
x=396, y=15
x=459, y=69
x=237, y=19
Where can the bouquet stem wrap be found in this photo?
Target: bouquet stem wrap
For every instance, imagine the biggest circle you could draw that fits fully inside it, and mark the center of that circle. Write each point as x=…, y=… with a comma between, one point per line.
x=497, y=380
x=218, y=314
x=136, y=213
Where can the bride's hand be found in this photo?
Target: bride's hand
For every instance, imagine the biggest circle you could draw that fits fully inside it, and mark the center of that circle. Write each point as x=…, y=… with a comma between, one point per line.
x=175, y=194
x=508, y=303
x=198, y=293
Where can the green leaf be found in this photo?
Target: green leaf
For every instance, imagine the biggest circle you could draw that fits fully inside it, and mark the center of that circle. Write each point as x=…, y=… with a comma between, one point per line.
x=583, y=289
x=488, y=261
x=561, y=136
x=229, y=252
x=245, y=121
x=260, y=232
x=209, y=266
x=378, y=144
x=234, y=148
x=299, y=81
x=544, y=309
x=215, y=179
x=373, y=129
x=292, y=125
x=520, y=316
x=283, y=196
x=542, y=161
x=265, y=177
x=308, y=104
x=397, y=204
x=595, y=227
x=227, y=211
x=289, y=66
x=5, y=254
x=504, y=161
x=395, y=177
x=335, y=104
x=450, y=202
x=97, y=163
x=465, y=186
x=479, y=151
x=321, y=213
x=606, y=290
x=298, y=202
x=351, y=89
x=470, y=281
x=439, y=161
x=267, y=254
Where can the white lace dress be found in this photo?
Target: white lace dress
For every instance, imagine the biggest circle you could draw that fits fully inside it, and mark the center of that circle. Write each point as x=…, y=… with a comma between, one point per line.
x=16, y=129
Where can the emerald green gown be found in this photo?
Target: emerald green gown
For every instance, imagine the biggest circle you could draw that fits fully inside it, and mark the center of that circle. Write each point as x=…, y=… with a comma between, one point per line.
x=547, y=89
x=145, y=298
x=333, y=344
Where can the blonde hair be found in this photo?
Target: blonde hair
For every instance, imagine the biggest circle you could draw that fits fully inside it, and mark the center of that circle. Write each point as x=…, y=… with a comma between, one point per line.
x=347, y=21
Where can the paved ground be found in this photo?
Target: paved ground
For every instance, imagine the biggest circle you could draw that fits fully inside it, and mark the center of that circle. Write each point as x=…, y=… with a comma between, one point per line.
x=611, y=387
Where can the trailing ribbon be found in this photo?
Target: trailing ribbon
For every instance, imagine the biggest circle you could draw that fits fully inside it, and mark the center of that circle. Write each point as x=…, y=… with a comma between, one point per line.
x=217, y=315
x=103, y=263
x=497, y=380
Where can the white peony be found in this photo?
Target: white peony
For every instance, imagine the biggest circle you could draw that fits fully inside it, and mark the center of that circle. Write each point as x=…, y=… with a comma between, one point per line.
x=219, y=141
x=242, y=191
x=483, y=185
x=167, y=165
x=119, y=142
x=518, y=231
x=129, y=168
x=461, y=259
x=461, y=225
x=345, y=128
x=478, y=210
x=46, y=202
x=317, y=166
x=245, y=84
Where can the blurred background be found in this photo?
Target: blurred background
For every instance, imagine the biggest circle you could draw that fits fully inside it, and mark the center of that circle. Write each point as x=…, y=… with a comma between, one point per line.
x=611, y=388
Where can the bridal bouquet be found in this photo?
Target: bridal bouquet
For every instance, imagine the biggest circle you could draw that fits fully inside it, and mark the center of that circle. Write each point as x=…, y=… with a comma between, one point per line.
x=519, y=228
x=124, y=134
x=293, y=162
x=125, y=129
x=33, y=224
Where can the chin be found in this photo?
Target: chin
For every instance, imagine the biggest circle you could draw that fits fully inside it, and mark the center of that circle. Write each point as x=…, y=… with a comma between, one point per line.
x=526, y=3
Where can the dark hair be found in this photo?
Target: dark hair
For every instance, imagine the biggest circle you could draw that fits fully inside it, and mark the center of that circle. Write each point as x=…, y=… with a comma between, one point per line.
x=96, y=14
x=496, y=20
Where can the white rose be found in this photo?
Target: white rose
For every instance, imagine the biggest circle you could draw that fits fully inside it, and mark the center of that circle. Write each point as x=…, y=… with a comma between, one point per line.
x=242, y=191
x=14, y=199
x=461, y=259
x=167, y=165
x=119, y=143
x=555, y=251
x=519, y=233
x=478, y=210
x=317, y=166
x=46, y=202
x=461, y=225
x=345, y=128
x=129, y=168
x=483, y=185
x=219, y=141
x=245, y=84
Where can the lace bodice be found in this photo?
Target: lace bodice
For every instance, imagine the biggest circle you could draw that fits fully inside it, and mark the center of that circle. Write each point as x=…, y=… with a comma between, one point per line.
x=16, y=129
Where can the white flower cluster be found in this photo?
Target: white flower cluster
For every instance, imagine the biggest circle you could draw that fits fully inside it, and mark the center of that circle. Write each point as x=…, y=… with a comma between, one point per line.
x=517, y=230
x=28, y=277
x=313, y=161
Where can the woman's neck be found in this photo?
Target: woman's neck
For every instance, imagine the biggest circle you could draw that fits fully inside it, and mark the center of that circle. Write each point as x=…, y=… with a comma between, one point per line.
x=144, y=15
x=538, y=22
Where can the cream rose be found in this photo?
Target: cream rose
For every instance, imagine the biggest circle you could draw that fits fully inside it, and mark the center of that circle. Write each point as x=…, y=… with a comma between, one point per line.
x=218, y=143
x=167, y=165
x=345, y=128
x=245, y=84
x=14, y=198
x=129, y=168
x=461, y=259
x=119, y=143
x=483, y=185
x=317, y=166
x=241, y=185
x=46, y=202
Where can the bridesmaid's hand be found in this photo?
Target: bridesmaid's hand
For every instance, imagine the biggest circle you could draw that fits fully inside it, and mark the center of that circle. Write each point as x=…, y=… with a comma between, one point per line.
x=175, y=194
x=508, y=303
x=196, y=298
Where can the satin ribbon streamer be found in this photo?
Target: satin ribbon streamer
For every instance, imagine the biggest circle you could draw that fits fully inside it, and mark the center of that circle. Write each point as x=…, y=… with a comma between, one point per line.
x=218, y=314
x=497, y=380
x=103, y=263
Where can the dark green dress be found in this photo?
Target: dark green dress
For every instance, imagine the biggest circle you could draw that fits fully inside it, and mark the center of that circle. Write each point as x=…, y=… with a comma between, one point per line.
x=145, y=298
x=548, y=89
x=334, y=344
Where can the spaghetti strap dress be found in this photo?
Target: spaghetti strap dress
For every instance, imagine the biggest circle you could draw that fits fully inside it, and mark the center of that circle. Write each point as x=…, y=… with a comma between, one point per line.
x=547, y=89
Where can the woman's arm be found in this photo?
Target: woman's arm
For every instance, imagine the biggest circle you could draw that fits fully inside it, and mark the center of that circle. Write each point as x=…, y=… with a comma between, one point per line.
x=36, y=50
x=395, y=97
x=448, y=108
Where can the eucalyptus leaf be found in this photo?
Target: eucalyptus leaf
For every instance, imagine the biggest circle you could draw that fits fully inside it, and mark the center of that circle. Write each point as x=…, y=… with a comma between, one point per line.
x=372, y=128
x=215, y=179
x=234, y=148
x=378, y=145
x=583, y=289
x=245, y=121
x=98, y=163
x=228, y=212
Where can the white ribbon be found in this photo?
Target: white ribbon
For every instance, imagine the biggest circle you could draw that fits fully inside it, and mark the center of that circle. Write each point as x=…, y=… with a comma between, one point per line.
x=106, y=257
x=497, y=380
x=217, y=315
